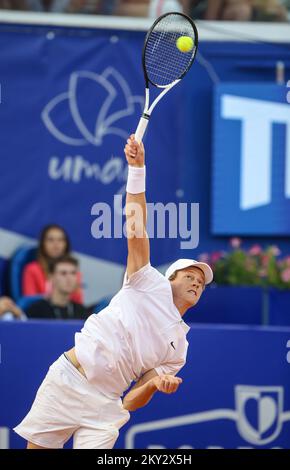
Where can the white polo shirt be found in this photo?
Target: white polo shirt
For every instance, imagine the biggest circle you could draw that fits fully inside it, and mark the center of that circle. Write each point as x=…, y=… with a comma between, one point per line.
x=141, y=329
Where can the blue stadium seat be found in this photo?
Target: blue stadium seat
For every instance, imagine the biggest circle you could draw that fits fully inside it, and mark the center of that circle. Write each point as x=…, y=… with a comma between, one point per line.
x=20, y=259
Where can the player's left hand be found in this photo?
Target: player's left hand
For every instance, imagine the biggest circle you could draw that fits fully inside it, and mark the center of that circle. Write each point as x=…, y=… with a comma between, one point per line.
x=166, y=383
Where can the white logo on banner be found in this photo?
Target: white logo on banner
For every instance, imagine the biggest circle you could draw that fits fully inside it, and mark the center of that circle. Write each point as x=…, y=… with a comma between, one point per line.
x=115, y=102
x=257, y=118
x=111, y=83
x=267, y=403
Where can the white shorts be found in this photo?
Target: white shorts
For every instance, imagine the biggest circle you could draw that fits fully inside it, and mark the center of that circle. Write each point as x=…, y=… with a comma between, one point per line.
x=65, y=404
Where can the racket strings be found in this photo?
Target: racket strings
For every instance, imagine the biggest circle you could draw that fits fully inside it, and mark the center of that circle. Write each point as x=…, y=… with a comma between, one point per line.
x=164, y=62
x=167, y=72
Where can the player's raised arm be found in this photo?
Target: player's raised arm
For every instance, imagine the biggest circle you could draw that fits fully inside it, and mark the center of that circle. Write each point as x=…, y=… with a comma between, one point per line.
x=136, y=212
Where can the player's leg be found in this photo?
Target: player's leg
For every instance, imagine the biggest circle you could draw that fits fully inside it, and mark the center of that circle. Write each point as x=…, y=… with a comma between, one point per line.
x=30, y=445
x=56, y=411
x=101, y=421
x=91, y=438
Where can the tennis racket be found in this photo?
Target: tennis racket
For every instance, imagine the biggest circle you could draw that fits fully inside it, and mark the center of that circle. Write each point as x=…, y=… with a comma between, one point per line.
x=165, y=63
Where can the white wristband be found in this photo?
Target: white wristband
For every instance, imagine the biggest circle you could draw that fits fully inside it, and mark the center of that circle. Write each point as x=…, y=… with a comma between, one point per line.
x=136, y=180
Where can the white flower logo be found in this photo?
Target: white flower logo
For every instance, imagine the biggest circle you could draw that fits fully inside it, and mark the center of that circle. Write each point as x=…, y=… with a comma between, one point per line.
x=108, y=92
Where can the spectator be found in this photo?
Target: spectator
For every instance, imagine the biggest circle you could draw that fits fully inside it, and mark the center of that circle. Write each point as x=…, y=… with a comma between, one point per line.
x=9, y=310
x=54, y=243
x=145, y=8
x=55, y=6
x=102, y=7
x=64, y=279
x=160, y=7
x=93, y=7
x=107, y=7
x=269, y=10
x=13, y=5
x=236, y=10
x=231, y=10
x=132, y=8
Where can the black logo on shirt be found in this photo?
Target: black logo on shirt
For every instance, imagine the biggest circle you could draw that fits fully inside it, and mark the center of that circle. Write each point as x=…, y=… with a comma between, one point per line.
x=172, y=344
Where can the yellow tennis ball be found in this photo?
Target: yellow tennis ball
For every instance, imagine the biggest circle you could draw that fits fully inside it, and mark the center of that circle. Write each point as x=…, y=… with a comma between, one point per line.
x=184, y=43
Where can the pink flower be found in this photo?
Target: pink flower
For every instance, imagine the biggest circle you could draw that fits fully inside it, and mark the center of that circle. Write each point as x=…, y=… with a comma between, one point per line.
x=285, y=275
x=265, y=260
x=235, y=242
x=216, y=256
x=255, y=250
x=274, y=250
x=287, y=261
x=203, y=257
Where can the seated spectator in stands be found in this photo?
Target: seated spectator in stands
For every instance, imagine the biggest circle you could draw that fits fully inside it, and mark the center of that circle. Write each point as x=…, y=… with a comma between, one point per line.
x=99, y=7
x=145, y=8
x=64, y=279
x=236, y=10
x=54, y=243
x=107, y=7
x=253, y=10
x=225, y=10
x=132, y=8
x=13, y=5
x=9, y=310
x=269, y=10
x=55, y=6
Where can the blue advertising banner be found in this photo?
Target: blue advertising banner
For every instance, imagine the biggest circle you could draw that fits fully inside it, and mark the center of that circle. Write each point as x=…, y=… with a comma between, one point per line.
x=64, y=122
x=69, y=98
x=235, y=391
x=251, y=169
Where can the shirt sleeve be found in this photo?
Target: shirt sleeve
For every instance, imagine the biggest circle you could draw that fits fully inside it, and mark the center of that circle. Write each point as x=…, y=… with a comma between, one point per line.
x=170, y=368
x=144, y=280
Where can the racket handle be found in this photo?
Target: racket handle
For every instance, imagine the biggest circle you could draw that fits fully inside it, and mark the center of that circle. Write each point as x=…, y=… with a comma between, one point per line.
x=140, y=131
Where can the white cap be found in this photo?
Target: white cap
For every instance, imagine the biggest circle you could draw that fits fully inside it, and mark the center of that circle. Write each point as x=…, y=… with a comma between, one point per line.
x=186, y=263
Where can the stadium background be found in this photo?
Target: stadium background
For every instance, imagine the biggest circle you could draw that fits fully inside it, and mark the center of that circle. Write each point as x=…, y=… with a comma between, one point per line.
x=236, y=381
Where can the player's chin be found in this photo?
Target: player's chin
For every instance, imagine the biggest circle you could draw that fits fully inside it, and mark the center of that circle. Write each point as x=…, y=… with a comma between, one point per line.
x=193, y=300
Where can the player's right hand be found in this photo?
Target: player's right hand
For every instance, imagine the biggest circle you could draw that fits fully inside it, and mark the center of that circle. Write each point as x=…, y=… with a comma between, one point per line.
x=134, y=151
x=166, y=383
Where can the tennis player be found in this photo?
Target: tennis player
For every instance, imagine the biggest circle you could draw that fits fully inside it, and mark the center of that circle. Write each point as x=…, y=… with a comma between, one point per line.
x=139, y=337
